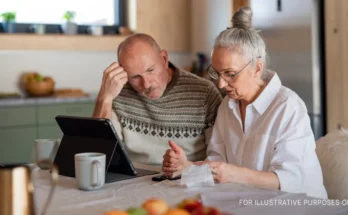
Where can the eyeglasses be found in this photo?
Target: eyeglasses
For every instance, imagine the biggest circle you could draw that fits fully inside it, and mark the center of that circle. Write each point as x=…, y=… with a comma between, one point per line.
x=225, y=75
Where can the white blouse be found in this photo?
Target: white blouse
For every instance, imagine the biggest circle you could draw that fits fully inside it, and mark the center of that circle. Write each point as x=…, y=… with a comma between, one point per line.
x=277, y=138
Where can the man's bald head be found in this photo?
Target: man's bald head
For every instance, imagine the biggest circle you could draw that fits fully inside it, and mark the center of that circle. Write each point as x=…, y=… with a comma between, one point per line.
x=137, y=38
x=146, y=65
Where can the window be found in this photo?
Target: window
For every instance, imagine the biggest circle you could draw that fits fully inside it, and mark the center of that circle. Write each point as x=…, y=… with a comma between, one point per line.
x=88, y=12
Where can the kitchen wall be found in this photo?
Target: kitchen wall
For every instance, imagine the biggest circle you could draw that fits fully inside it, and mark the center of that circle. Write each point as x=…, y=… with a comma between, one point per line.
x=84, y=69
x=69, y=69
x=208, y=19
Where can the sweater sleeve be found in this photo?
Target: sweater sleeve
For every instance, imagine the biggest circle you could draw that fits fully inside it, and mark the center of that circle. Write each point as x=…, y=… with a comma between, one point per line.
x=212, y=103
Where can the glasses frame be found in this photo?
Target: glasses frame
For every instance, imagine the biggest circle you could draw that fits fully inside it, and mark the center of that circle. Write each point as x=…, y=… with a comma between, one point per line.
x=213, y=72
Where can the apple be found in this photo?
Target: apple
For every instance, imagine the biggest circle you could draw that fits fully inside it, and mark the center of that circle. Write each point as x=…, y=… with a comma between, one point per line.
x=191, y=205
x=39, y=78
x=177, y=211
x=198, y=211
x=155, y=206
x=211, y=211
x=137, y=211
x=116, y=212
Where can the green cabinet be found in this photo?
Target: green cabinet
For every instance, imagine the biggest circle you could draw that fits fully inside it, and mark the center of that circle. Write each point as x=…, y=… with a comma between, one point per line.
x=47, y=113
x=21, y=126
x=15, y=116
x=47, y=125
x=18, y=132
x=49, y=132
x=17, y=144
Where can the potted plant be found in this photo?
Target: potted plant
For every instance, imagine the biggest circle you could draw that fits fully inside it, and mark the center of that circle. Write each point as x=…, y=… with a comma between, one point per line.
x=69, y=27
x=9, y=19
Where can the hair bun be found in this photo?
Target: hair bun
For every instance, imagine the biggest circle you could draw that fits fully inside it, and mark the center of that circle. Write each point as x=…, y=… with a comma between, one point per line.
x=242, y=18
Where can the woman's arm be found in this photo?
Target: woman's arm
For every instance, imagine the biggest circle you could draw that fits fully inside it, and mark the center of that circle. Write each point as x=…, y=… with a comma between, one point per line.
x=256, y=178
x=223, y=172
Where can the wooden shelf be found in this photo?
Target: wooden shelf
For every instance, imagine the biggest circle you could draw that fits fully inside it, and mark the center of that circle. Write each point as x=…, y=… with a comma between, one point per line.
x=60, y=42
x=158, y=18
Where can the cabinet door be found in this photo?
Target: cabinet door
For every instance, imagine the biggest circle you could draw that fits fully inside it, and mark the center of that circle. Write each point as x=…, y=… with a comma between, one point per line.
x=17, y=144
x=49, y=132
x=13, y=116
x=47, y=113
x=153, y=16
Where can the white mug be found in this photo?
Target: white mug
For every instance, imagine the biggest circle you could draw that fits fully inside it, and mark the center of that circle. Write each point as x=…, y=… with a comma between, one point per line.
x=46, y=149
x=96, y=30
x=90, y=170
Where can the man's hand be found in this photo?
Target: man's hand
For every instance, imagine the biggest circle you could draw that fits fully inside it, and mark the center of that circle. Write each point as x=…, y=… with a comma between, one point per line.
x=114, y=79
x=174, y=159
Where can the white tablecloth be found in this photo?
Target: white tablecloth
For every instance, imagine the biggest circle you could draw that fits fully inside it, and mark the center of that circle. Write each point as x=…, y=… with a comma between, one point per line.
x=233, y=198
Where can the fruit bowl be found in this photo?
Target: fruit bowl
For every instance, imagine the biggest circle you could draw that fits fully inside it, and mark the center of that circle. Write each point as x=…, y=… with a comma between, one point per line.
x=44, y=88
x=35, y=84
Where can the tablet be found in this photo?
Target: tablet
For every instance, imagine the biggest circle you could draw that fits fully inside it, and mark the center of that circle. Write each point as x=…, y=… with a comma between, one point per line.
x=86, y=134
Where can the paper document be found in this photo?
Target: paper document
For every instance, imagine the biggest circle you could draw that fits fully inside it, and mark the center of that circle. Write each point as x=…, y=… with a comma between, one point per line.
x=197, y=176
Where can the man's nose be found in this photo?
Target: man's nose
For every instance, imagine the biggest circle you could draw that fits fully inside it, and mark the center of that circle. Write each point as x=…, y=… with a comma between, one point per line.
x=146, y=82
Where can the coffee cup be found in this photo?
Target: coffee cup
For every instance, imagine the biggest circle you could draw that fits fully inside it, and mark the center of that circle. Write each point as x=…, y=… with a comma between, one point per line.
x=46, y=149
x=90, y=170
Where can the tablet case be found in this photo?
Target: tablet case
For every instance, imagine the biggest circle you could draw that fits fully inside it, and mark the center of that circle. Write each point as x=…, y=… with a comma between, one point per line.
x=85, y=134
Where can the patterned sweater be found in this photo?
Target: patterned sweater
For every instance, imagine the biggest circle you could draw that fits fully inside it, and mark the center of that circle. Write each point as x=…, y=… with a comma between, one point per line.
x=185, y=114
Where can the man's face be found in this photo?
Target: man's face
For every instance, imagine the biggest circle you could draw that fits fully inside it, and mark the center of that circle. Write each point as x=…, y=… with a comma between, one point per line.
x=147, y=69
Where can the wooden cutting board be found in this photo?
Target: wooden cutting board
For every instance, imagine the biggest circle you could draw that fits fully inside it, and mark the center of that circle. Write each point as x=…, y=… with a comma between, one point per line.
x=67, y=92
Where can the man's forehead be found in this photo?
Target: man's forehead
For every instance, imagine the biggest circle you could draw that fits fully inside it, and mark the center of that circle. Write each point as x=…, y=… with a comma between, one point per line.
x=137, y=47
x=136, y=52
x=137, y=64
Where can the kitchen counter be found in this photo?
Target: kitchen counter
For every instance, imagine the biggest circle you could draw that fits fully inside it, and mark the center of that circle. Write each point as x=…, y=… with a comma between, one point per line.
x=10, y=102
x=23, y=120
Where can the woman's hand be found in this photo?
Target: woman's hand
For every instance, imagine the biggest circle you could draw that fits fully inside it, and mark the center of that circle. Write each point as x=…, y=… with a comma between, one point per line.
x=222, y=172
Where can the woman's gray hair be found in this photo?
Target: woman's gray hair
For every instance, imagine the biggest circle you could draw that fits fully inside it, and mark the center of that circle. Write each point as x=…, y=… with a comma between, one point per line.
x=242, y=37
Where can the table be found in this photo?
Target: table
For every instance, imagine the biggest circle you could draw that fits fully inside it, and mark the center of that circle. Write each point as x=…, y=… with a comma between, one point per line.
x=132, y=193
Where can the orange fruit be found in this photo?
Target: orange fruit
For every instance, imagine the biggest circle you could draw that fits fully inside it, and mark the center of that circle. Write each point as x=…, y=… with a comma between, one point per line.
x=116, y=212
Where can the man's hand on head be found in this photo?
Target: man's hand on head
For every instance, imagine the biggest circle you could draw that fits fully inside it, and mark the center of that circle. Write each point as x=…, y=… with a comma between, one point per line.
x=114, y=78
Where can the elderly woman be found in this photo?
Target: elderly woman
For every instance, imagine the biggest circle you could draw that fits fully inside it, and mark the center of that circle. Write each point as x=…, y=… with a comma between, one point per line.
x=262, y=134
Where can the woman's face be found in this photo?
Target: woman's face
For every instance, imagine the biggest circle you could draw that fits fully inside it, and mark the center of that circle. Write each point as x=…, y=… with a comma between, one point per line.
x=236, y=74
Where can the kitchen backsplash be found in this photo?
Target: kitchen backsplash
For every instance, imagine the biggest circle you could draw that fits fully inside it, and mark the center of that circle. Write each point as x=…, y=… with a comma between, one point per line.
x=69, y=69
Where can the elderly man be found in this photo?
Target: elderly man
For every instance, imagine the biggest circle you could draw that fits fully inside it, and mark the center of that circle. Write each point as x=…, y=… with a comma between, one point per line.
x=150, y=102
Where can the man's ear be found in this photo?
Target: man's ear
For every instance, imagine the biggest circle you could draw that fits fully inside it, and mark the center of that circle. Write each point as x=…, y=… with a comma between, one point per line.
x=164, y=55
